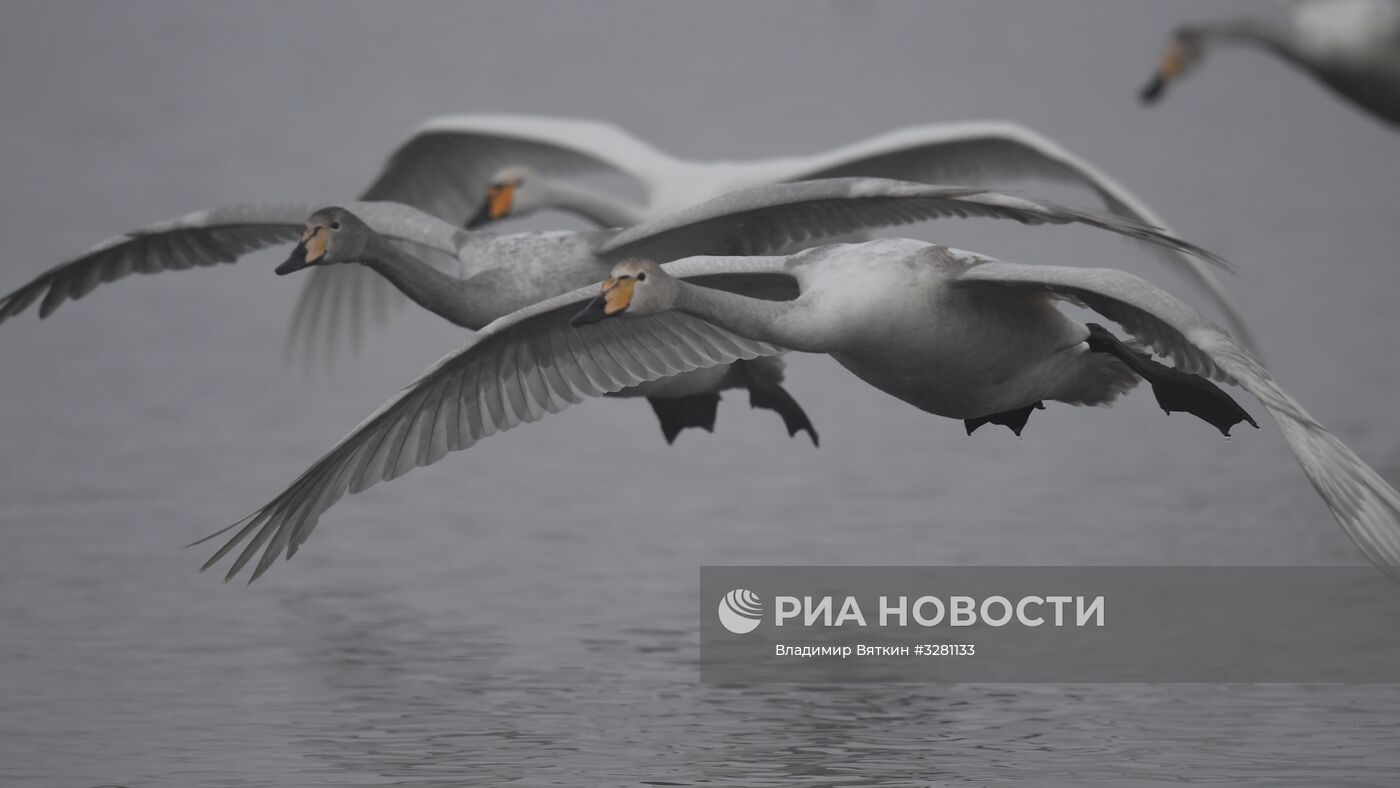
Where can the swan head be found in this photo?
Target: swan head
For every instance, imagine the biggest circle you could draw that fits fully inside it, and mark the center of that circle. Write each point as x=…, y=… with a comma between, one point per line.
x=514, y=191
x=1183, y=54
x=636, y=287
x=332, y=235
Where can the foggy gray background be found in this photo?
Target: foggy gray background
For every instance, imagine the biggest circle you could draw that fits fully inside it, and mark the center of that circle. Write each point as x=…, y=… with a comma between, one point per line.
x=526, y=611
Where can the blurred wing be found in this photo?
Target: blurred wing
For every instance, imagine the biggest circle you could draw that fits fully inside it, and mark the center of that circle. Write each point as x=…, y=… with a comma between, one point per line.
x=444, y=170
x=765, y=219
x=343, y=300
x=516, y=370
x=198, y=239
x=1367, y=508
x=990, y=153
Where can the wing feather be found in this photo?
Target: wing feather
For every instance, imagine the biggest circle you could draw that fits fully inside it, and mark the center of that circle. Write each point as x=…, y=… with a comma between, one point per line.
x=199, y=239
x=763, y=219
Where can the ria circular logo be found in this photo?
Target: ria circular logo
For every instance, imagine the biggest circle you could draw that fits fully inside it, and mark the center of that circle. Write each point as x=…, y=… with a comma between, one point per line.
x=740, y=611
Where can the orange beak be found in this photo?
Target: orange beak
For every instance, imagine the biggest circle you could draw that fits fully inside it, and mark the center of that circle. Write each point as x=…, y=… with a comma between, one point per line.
x=500, y=199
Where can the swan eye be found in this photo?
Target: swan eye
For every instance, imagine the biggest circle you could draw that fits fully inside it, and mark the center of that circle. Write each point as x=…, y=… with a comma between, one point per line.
x=335, y=225
x=641, y=277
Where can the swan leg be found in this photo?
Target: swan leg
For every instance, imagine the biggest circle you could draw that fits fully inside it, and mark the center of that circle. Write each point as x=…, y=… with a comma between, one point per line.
x=1015, y=420
x=1175, y=390
x=677, y=413
x=764, y=392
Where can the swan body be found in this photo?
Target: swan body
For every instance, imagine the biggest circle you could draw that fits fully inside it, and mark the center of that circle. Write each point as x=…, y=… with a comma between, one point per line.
x=955, y=334
x=890, y=312
x=892, y=319
x=1351, y=46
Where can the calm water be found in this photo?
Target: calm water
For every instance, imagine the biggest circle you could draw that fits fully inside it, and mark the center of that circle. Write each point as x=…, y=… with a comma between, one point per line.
x=525, y=612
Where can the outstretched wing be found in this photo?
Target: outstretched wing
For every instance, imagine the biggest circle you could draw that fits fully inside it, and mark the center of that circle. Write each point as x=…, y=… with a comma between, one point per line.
x=765, y=219
x=989, y=153
x=515, y=370
x=198, y=239
x=207, y=238
x=1367, y=508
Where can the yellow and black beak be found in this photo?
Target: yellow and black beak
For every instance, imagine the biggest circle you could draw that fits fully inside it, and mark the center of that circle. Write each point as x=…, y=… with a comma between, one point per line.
x=1172, y=64
x=500, y=198
x=616, y=297
x=311, y=249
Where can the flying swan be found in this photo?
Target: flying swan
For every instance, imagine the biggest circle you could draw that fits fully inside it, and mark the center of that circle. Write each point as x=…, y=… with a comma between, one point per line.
x=1351, y=46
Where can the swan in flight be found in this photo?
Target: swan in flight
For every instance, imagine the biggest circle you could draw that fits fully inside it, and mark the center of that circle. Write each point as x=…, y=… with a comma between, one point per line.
x=477, y=168
x=952, y=333
x=500, y=274
x=1351, y=46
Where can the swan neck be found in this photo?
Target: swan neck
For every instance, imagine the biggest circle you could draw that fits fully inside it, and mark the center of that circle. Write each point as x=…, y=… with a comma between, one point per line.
x=774, y=322
x=595, y=205
x=445, y=296
x=1262, y=33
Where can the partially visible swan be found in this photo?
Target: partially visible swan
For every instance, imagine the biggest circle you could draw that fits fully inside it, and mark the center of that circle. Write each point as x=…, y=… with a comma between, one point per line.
x=952, y=333
x=1351, y=46
x=526, y=163
x=500, y=274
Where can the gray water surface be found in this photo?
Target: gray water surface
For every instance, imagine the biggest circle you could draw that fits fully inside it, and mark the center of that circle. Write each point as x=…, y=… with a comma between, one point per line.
x=525, y=612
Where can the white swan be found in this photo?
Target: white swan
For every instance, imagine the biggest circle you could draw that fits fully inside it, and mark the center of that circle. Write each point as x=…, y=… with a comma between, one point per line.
x=951, y=333
x=500, y=274
x=491, y=166
x=1351, y=46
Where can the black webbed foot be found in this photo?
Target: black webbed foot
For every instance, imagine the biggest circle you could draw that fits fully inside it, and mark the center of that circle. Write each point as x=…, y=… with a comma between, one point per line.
x=767, y=393
x=677, y=413
x=1015, y=420
x=1181, y=391
x=1175, y=390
